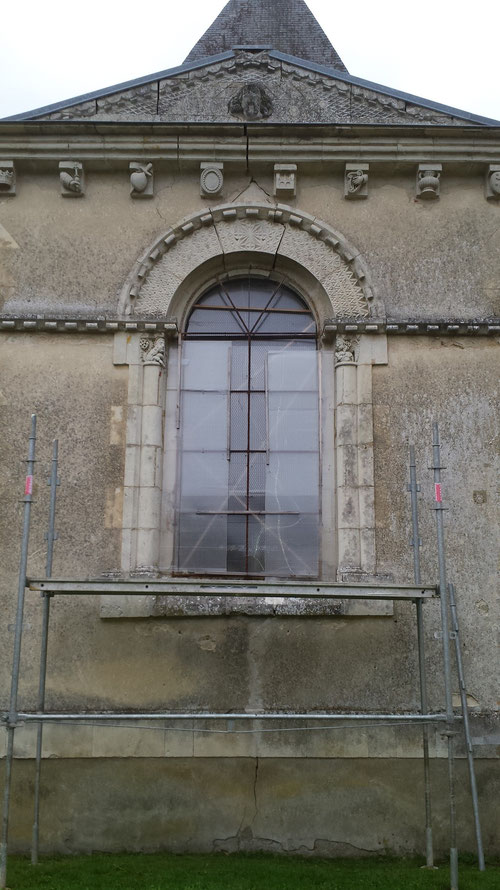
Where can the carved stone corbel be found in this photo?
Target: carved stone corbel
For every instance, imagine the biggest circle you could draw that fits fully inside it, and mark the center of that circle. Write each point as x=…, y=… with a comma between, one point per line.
x=72, y=179
x=285, y=180
x=493, y=182
x=356, y=181
x=7, y=178
x=429, y=181
x=141, y=180
x=211, y=179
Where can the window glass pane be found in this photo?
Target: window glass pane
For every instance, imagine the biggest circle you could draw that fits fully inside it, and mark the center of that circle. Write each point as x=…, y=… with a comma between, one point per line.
x=292, y=482
x=258, y=422
x=197, y=357
x=204, y=481
x=285, y=323
x=293, y=371
x=292, y=545
x=215, y=321
x=239, y=421
x=293, y=421
x=239, y=364
x=202, y=543
x=204, y=421
x=257, y=556
x=236, y=544
x=255, y=466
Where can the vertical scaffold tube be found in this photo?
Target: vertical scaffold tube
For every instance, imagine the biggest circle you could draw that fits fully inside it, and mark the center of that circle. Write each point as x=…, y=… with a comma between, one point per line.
x=51, y=536
x=443, y=596
x=414, y=488
x=12, y=716
x=466, y=725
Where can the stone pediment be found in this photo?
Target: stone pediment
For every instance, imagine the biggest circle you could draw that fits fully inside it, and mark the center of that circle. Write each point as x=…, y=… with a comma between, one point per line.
x=251, y=87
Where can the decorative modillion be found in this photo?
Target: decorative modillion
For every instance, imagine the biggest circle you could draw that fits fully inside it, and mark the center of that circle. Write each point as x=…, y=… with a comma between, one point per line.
x=211, y=179
x=429, y=181
x=72, y=178
x=285, y=180
x=7, y=178
x=251, y=102
x=356, y=181
x=493, y=182
x=141, y=180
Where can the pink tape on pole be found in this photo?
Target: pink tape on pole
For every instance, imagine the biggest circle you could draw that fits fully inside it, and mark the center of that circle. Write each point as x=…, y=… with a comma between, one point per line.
x=439, y=497
x=28, y=488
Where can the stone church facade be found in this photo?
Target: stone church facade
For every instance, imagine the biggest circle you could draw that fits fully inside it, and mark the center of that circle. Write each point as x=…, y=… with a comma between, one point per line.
x=132, y=221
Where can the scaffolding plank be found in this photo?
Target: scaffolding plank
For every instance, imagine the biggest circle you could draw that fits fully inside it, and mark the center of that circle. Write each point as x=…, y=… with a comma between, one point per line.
x=176, y=587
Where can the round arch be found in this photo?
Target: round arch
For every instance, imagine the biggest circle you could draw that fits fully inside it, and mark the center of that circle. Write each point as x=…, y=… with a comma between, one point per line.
x=271, y=240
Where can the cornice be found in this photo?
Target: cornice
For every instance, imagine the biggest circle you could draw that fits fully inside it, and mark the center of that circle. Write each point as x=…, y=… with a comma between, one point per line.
x=111, y=146
x=63, y=324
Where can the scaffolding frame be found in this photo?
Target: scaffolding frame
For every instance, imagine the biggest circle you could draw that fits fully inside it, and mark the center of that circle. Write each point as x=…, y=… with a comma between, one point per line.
x=417, y=594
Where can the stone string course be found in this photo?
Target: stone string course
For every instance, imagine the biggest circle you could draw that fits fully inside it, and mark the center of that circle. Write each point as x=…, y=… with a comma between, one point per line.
x=42, y=324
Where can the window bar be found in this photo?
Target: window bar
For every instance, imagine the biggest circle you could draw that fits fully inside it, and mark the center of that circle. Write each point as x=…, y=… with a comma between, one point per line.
x=228, y=403
x=179, y=382
x=247, y=513
x=266, y=396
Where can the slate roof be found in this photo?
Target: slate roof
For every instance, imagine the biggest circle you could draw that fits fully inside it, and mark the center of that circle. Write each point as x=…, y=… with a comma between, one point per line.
x=284, y=25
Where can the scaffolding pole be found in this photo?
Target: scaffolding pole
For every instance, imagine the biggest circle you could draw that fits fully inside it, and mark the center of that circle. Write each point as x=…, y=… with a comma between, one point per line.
x=466, y=725
x=16, y=660
x=416, y=543
x=443, y=595
x=51, y=537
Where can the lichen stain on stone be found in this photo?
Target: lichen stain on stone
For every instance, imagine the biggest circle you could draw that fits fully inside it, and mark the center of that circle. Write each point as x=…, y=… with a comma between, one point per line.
x=207, y=644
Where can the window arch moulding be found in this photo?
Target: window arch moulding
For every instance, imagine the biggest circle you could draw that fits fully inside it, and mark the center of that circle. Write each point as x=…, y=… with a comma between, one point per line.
x=277, y=233
x=270, y=241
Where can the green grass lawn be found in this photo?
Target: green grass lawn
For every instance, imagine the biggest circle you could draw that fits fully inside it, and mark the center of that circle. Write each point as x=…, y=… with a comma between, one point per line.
x=238, y=872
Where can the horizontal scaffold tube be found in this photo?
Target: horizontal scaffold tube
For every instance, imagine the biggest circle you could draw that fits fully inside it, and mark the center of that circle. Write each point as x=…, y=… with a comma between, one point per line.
x=410, y=718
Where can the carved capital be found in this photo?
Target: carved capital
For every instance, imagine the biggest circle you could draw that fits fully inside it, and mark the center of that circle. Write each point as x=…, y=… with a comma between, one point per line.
x=346, y=350
x=356, y=181
x=429, y=181
x=493, y=182
x=153, y=351
x=211, y=179
x=7, y=178
x=141, y=180
x=72, y=179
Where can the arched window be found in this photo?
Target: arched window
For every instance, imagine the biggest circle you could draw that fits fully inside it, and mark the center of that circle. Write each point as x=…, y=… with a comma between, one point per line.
x=248, y=497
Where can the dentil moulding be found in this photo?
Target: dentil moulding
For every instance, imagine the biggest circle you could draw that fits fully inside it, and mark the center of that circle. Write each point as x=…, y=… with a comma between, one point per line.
x=211, y=179
x=7, y=178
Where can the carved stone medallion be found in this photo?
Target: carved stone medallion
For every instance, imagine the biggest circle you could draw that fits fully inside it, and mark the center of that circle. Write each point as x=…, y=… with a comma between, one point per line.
x=251, y=102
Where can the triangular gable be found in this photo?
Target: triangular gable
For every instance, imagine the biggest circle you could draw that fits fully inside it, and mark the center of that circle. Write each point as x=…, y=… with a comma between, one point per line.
x=264, y=86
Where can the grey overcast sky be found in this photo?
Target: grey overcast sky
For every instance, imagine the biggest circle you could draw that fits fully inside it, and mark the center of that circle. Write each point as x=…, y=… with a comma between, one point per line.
x=445, y=50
